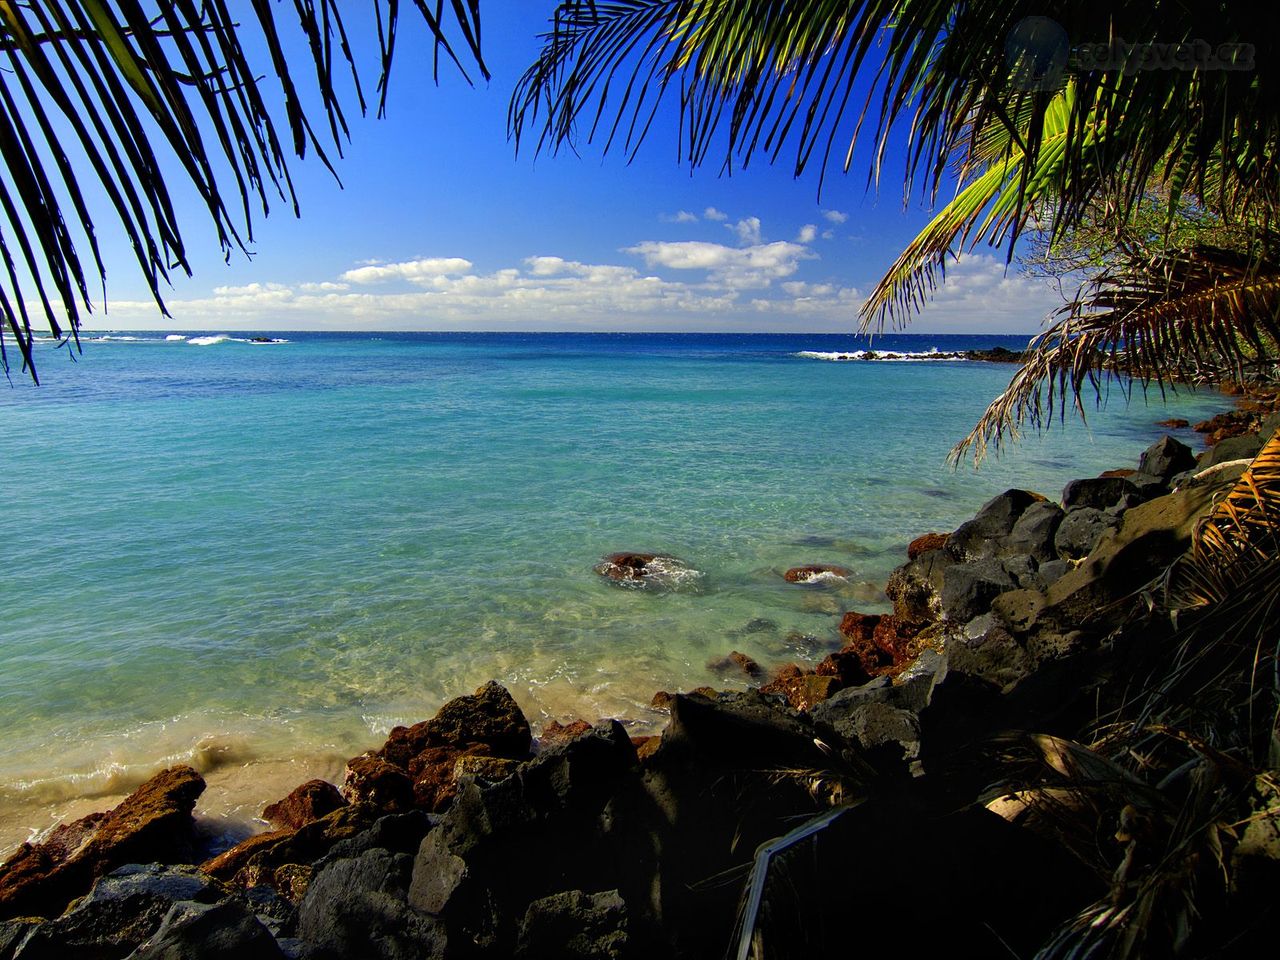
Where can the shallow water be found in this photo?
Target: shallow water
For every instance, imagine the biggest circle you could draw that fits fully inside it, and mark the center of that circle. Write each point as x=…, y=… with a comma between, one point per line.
x=259, y=557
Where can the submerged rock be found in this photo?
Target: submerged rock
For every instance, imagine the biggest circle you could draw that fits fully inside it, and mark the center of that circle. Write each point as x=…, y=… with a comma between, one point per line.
x=652, y=570
x=736, y=662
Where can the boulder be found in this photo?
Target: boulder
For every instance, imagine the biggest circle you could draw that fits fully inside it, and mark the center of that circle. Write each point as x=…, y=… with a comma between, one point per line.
x=305, y=804
x=1149, y=537
x=916, y=587
x=1174, y=423
x=358, y=907
x=555, y=730
x=1166, y=457
x=1080, y=531
x=122, y=910
x=625, y=566
x=539, y=832
x=202, y=931
x=282, y=859
x=981, y=537
x=969, y=588
x=489, y=716
x=926, y=542
x=1033, y=533
x=574, y=926
x=486, y=723
x=152, y=825
x=1096, y=492
x=1242, y=447
x=372, y=780
x=805, y=691
x=817, y=573
x=986, y=650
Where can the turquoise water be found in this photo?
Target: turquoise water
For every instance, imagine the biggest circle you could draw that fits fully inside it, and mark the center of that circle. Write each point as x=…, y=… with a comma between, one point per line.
x=259, y=557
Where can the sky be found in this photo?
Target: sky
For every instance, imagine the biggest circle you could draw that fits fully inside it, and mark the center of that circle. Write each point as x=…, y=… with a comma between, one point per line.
x=440, y=224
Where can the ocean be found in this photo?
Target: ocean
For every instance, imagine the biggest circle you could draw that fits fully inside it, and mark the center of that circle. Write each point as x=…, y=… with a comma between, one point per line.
x=257, y=557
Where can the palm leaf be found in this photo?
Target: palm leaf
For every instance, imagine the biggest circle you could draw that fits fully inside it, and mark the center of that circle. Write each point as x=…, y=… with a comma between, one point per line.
x=1195, y=315
x=128, y=82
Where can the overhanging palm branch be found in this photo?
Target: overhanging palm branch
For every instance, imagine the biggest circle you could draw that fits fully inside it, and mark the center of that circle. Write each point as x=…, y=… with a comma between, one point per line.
x=804, y=77
x=111, y=95
x=1201, y=314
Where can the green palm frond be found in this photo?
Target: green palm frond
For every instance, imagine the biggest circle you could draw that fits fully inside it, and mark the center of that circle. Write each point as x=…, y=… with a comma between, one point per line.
x=758, y=77
x=95, y=95
x=1151, y=319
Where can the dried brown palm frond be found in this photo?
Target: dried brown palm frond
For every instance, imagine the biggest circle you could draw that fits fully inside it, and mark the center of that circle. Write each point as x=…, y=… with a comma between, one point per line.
x=121, y=97
x=1197, y=315
x=1223, y=668
x=1157, y=826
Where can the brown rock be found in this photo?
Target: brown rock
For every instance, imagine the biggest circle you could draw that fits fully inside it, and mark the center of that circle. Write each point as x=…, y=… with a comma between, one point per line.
x=859, y=627
x=736, y=661
x=662, y=700
x=847, y=666
x=646, y=746
x=555, y=730
x=309, y=802
x=230, y=862
x=371, y=779
x=926, y=542
x=893, y=636
x=811, y=572
x=489, y=716
x=805, y=691
x=707, y=693
x=788, y=671
x=1174, y=423
x=152, y=825
x=1122, y=472
x=434, y=774
x=282, y=859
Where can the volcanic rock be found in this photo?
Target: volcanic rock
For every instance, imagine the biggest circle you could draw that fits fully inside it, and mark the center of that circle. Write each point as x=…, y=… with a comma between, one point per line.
x=816, y=573
x=152, y=825
x=307, y=803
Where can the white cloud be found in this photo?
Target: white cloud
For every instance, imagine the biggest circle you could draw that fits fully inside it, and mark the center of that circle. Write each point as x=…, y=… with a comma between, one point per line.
x=980, y=295
x=680, y=216
x=748, y=230
x=807, y=233
x=414, y=270
x=324, y=286
x=711, y=213
x=754, y=266
x=249, y=289
x=835, y=216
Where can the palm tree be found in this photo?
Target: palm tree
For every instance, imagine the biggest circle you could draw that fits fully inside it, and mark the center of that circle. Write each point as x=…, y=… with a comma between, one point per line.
x=93, y=94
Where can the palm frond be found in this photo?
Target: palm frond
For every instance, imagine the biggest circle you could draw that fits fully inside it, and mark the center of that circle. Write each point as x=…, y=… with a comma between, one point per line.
x=757, y=77
x=1194, y=315
x=94, y=93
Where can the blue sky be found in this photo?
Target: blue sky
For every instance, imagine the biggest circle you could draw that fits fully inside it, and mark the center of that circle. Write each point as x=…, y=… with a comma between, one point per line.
x=440, y=225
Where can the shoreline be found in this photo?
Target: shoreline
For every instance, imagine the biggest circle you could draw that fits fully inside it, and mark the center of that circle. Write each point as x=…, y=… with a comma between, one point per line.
x=228, y=804
x=479, y=820
x=236, y=786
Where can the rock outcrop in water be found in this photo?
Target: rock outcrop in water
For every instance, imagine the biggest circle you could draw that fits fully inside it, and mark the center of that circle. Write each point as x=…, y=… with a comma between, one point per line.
x=461, y=837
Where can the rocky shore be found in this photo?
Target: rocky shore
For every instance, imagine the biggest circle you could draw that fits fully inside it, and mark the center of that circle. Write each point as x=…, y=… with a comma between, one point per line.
x=881, y=795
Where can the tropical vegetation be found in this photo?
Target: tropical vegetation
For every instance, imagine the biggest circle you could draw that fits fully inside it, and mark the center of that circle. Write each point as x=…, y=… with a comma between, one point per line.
x=1140, y=173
